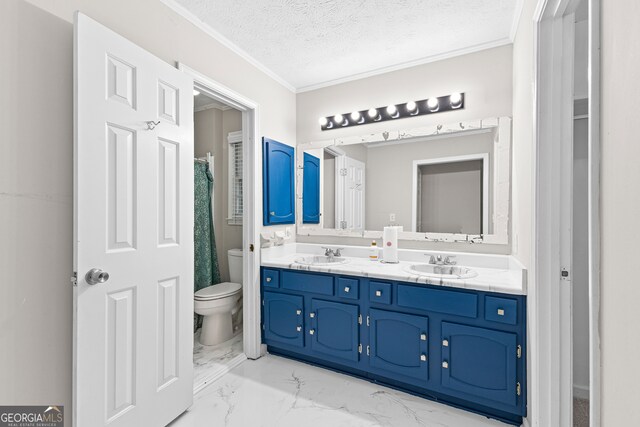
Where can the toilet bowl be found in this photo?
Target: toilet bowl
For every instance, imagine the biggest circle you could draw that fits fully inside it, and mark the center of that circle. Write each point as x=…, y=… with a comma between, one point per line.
x=218, y=304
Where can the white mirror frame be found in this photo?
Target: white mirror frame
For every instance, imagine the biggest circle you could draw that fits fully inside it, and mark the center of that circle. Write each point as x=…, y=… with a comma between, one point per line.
x=501, y=179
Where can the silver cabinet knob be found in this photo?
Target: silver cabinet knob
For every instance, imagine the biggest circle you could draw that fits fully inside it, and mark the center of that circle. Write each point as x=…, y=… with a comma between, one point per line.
x=423, y=337
x=268, y=279
x=445, y=343
x=500, y=312
x=298, y=312
x=347, y=289
x=299, y=328
x=312, y=331
x=423, y=357
x=95, y=276
x=272, y=213
x=312, y=315
x=445, y=364
x=378, y=293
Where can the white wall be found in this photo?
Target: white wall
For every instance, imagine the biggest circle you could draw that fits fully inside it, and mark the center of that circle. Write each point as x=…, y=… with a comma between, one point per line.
x=485, y=77
x=620, y=209
x=36, y=164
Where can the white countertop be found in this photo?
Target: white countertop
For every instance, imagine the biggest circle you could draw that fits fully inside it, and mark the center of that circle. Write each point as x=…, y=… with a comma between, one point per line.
x=496, y=273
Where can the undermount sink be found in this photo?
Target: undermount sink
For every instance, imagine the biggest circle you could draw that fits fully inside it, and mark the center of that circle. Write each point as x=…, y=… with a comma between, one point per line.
x=442, y=271
x=321, y=260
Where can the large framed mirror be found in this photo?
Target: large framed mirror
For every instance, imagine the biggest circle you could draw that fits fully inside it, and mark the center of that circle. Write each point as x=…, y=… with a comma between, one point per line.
x=447, y=183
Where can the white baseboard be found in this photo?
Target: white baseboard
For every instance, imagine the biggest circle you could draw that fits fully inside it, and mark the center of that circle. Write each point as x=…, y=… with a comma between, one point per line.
x=217, y=372
x=581, y=392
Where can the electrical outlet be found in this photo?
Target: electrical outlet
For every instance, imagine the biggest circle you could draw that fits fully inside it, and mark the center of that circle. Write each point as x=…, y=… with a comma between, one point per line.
x=392, y=217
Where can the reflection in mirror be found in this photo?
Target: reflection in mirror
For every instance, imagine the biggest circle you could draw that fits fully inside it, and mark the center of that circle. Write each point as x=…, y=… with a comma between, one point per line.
x=450, y=184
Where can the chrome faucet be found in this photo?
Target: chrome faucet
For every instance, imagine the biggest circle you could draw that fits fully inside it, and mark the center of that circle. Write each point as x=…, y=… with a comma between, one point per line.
x=331, y=253
x=437, y=260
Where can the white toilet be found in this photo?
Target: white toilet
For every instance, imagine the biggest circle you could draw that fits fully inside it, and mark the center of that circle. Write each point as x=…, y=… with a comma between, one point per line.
x=218, y=303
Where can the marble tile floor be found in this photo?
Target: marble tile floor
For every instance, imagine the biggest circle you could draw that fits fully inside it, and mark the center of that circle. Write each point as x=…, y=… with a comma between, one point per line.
x=210, y=358
x=274, y=391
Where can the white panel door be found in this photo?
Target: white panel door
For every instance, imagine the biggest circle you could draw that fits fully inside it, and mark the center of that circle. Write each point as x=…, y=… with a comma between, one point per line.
x=354, y=190
x=133, y=340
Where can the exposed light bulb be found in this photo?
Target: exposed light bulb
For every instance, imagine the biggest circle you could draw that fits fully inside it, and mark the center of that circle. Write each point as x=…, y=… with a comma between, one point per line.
x=456, y=100
x=338, y=118
x=355, y=116
x=196, y=92
x=392, y=110
x=323, y=121
x=433, y=104
x=411, y=106
x=372, y=113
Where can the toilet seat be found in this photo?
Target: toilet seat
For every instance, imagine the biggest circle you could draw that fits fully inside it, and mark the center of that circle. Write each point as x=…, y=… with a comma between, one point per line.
x=221, y=290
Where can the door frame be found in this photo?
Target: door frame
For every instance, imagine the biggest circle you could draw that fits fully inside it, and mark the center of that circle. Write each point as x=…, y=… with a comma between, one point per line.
x=416, y=206
x=251, y=221
x=550, y=299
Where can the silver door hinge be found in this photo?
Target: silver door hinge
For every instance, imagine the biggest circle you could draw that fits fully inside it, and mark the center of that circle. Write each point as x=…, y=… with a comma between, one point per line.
x=343, y=172
x=518, y=390
x=367, y=320
x=359, y=319
x=262, y=302
x=519, y=351
x=74, y=279
x=359, y=348
x=367, y=350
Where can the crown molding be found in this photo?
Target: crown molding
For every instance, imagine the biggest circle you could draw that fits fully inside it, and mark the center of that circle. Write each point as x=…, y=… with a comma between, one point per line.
x=193, y=19
x=210, y=106
x=426, y=60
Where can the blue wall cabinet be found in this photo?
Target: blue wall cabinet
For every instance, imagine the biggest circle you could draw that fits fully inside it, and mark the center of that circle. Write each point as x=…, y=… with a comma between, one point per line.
x=398, y=344
x=479, y=362
x=311, y=190
x=284, y=318
x=278, y=182
x=462, y=347
x=334, y=329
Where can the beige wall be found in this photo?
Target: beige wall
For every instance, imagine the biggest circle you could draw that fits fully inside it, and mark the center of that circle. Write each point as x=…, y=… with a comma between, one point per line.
x=523, y=144
x=620, y=208
x=36, y=164
x=484, y=76
x=211, y=128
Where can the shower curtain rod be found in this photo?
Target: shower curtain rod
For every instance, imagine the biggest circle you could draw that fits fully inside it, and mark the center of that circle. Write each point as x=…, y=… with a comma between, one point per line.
x=206, y=159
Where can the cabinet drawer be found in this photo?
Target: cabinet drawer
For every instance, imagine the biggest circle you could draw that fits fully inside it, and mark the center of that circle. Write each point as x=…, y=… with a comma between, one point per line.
x=503, y=310
x=447, y=302
x=348, y=288
x=380, y=292
x=270, y=278
x=307, y=282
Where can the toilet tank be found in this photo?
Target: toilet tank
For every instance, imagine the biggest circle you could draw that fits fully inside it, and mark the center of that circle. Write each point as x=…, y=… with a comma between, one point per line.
x=235, y=265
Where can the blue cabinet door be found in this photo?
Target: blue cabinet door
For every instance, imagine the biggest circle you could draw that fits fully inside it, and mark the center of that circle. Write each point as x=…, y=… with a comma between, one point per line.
x=479, y=362
x=335, y=329
x=278, y=165
x=399, y=345
x=311, y=190
x=283, y=319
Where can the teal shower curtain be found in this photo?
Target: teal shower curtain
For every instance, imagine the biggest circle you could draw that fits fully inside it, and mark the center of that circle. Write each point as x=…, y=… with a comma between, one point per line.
x=206, y=270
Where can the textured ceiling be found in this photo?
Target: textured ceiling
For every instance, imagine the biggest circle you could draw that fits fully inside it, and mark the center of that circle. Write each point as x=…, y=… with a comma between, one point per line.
x=313, y=42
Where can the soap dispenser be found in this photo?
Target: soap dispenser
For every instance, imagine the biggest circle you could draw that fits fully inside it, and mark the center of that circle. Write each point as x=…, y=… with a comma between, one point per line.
x=373, y=251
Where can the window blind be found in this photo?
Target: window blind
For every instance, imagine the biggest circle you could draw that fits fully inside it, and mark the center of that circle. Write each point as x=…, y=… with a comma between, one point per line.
x=235, y=183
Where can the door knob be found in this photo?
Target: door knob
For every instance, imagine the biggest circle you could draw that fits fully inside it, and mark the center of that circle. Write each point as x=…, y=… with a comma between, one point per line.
x=95, y=276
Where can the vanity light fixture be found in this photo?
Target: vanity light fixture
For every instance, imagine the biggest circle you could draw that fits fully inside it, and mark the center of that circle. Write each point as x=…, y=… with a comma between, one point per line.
x=440, y=104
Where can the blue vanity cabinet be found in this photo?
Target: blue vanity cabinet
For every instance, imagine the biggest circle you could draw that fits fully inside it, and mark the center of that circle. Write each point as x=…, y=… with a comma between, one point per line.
x=278, y=182
x=311, y=189
x=479, y=364
x=283, y=319
x=398, y=345
x=458, y=346
x=334, y=329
